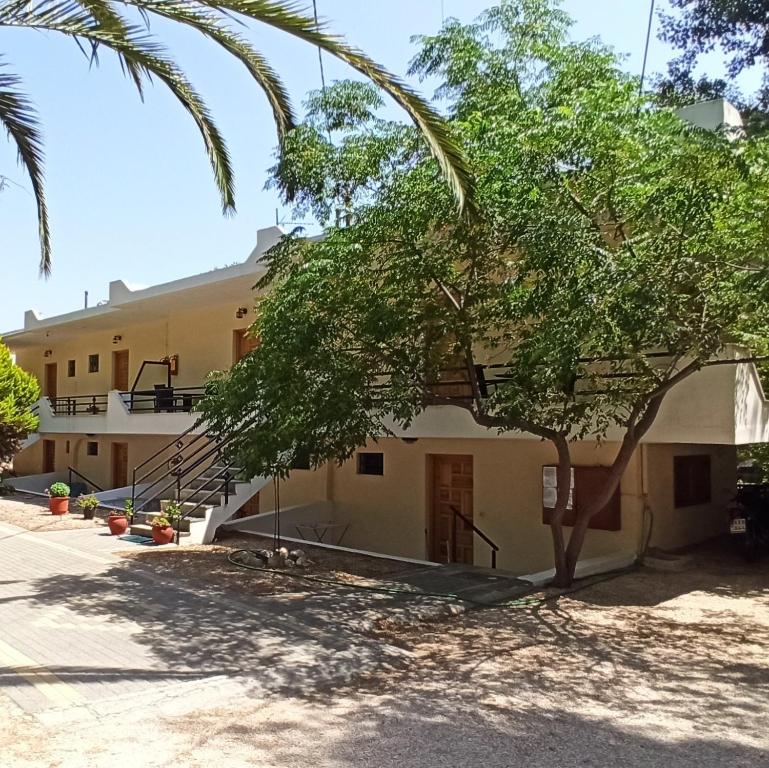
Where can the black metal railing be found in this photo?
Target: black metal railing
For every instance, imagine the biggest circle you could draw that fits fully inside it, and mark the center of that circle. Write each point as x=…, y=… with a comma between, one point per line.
x=475, y=529
x=78, y=405
x=72, y=472
x=163, y=399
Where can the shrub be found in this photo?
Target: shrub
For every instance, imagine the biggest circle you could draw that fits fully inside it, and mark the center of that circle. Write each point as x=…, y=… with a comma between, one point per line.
x=59, y=490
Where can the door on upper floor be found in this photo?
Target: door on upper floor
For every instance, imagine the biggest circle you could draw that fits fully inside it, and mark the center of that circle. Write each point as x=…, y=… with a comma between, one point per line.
x=450, y=538
x=49, y=455
x=50, y=380
x=243, y=343
x=120, y=370
x=119, y=465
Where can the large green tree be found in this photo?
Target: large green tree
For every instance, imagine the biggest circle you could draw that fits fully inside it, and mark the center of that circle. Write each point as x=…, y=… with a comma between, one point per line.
x=616, y=252
x=19, y=391
x=125, y=28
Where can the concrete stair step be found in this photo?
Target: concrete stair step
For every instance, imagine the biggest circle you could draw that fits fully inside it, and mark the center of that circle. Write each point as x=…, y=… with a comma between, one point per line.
x=143, y=529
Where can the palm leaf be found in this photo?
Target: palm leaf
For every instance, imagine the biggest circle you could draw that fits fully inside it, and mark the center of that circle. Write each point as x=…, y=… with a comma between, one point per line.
x=288, y=17
x=144, y=53
x=20, y=121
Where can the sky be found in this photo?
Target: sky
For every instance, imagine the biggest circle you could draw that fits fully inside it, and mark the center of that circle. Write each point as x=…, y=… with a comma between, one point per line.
x=130, y=191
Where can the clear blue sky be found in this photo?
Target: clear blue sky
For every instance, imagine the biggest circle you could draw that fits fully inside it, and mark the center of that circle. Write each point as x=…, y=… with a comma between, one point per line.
x=129, y=186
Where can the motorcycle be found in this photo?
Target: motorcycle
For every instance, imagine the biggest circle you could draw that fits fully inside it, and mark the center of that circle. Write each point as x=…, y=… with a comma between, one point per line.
x=749, y=520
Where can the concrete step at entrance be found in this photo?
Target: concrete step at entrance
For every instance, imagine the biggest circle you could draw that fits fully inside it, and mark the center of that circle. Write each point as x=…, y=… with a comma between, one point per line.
x=143, y=529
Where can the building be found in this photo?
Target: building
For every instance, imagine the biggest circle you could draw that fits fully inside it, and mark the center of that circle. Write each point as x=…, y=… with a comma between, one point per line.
x=120, y=381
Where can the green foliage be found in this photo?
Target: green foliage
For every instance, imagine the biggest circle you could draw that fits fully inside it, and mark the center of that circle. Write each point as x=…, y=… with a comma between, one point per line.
x=160, y=522
x=59, y=490
x=126, y=28
x=128, y=508
x=606, y=230
x=19, y=391
x=87, y=502
x=172, y=510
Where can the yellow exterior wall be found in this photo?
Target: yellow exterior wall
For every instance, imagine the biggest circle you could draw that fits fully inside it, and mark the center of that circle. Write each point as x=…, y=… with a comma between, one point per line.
x=203, y=340
x=96, y=468
x=673, y=527
x=389, y=513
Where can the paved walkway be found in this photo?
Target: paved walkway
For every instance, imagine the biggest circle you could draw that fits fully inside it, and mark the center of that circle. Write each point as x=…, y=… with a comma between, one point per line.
x=85, y=633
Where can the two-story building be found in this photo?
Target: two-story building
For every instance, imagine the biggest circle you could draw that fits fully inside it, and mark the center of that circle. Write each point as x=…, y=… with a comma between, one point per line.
x=120, y=382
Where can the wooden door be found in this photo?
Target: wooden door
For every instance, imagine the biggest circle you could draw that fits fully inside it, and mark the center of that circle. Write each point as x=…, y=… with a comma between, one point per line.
x=243, y=343
x=119, y=465
x=450, y=538
x=120, y=370
x=51, y=379
x=49, y=455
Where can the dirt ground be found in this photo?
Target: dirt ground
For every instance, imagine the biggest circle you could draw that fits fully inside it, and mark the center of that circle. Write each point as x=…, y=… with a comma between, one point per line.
x=209, y=564
x=644, y=670
x=32, y=513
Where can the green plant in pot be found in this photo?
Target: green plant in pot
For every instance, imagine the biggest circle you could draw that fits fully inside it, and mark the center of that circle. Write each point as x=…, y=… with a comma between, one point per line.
x=58, y=498
x=88, y=504
x=162, y=529
x=118, y=521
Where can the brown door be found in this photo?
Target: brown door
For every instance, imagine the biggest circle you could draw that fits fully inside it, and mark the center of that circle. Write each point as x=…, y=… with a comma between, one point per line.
x=450, y=538
x=49, y=455
x=51, y=378
x=120, y=370
x=119, y=465
x=243, y=343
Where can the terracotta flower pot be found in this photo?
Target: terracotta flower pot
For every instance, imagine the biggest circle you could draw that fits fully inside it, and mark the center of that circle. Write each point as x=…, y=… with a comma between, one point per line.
x=162, y=534
x=117, y=524
x=59, y=505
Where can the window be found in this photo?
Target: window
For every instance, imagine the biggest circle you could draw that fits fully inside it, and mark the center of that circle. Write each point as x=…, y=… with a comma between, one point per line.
x=92, y=448
x=370, y=463
x=70, y=368
x=66, y=448
x=691, y=480
x=586, y=482
x=93, y=363
x=301, y=459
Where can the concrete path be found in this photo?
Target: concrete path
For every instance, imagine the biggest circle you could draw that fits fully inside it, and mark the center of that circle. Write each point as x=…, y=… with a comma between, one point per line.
x=85, y=633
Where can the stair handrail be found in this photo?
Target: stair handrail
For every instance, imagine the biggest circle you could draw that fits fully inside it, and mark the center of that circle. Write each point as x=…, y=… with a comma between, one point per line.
x=166, y=447
x=183, y=471
x=470, y=524
x=226, y=476
x=73, y=471
x=171, y=461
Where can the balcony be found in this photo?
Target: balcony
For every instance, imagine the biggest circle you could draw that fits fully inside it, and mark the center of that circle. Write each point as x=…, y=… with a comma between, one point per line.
x=162, y=410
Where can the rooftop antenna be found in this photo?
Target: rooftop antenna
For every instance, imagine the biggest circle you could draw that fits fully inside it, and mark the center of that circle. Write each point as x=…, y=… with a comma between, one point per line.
x=646, y=47
x=86, y=300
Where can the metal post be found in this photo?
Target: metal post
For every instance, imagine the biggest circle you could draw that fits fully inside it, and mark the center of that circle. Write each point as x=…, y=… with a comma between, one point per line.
x=226, y=488
x=493, y=558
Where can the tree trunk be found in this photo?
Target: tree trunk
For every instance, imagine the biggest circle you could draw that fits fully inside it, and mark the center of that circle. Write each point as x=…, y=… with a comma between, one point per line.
x=563, y=479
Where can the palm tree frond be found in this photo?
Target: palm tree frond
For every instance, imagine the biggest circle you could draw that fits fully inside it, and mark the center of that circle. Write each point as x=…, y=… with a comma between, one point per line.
x=289, y=17
x=136, y=46
x=19, y=119
x=209, y=24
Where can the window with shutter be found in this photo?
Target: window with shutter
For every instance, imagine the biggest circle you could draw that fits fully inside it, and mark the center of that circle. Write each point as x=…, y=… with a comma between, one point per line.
x=586, y=483
x=691, y=480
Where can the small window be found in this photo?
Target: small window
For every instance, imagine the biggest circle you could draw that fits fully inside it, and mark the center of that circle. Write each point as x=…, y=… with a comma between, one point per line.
x=66, y=447
x=370, y=463
x=70, y=368
x=92, y=448
x=301, y=459
x=691, y=480
x=93, y=363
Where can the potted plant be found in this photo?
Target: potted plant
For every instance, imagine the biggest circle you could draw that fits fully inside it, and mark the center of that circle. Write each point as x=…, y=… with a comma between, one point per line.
x=58, y=499
x=88, y=504
x=162, y=530
x=118, y=521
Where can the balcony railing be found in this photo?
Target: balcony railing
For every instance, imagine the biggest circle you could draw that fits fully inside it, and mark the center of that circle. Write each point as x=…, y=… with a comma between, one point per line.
x=78, y=405
x=163, y=399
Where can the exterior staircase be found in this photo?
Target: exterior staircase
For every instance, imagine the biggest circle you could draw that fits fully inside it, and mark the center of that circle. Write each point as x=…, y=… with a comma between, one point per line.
x=194, y=471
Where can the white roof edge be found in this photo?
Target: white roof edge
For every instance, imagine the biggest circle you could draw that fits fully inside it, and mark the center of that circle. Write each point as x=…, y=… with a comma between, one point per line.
x=122, y=293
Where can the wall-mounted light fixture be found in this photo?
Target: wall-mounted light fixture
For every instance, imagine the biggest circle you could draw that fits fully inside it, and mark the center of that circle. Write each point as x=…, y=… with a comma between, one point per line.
x=241, y=312
x=117, y=339
x=48, y=353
